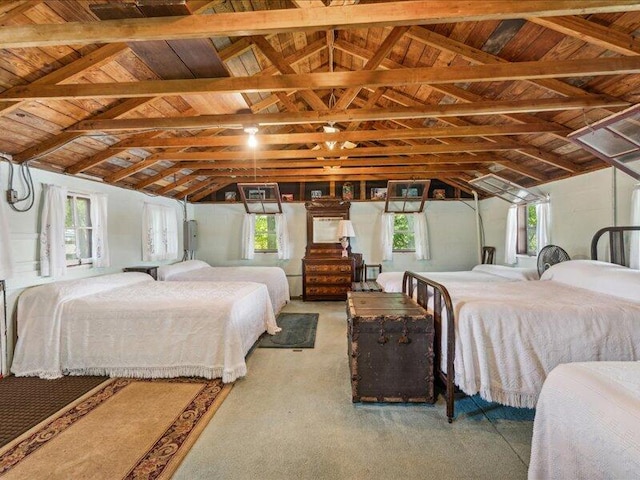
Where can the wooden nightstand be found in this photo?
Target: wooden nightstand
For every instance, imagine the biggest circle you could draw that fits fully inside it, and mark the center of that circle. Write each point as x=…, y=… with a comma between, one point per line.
x=148, y=269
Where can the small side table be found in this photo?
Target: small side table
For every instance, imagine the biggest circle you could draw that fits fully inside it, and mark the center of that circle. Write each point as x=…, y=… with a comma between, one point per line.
x=148, y=269
x=365, y=287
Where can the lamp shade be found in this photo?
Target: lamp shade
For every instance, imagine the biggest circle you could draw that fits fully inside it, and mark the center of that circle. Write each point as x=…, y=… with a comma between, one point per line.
x=345, y=229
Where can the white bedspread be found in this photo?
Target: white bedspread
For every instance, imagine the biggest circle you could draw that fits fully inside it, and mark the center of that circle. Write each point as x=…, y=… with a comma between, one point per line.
x=196, y=271
x=509, y=336
x=129, y=325
x=587, y=423
x=392, y=281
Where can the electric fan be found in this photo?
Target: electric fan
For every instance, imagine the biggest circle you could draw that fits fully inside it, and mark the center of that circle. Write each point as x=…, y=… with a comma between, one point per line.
x=550, y=255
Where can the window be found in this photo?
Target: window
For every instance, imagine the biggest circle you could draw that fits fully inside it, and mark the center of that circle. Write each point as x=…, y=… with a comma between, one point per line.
x=527, y=225
x=78, y=230
x=403, y=233
x=265, y=234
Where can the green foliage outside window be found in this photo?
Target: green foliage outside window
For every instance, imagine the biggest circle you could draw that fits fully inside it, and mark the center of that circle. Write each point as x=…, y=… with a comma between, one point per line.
x=265, y=233
x=403, y=233
x=77, y=234
x=532, y=223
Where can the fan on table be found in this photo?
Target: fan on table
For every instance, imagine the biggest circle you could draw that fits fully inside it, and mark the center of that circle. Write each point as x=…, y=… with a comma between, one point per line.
x=550, y=255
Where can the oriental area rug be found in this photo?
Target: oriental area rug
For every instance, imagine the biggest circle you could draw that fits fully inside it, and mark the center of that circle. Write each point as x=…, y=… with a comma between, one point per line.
x=298, y=331
x=124, y=428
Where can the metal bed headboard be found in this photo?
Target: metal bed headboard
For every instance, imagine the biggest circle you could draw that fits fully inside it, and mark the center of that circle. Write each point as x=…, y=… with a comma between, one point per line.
x=422, y=289
x=616, y=243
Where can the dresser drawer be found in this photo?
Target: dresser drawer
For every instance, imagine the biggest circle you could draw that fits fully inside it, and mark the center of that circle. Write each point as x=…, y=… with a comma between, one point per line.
x=330, y=291
x=342, y=279
x=328, y=267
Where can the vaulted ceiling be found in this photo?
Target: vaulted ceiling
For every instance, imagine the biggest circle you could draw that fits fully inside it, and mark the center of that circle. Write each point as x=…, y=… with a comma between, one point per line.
x=154, y=95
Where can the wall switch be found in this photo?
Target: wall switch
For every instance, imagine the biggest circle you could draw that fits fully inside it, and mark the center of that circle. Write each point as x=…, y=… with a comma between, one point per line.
x=12, y=196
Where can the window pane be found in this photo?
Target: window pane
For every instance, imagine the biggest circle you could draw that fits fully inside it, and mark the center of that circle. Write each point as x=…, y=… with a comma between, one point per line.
x=70, y=244
x=82, y=206
x=404, y=241
x=272, y=243
x=261, y=241
x=83, y=238
x=261, y=224
x=532, y=223
x=68, y=218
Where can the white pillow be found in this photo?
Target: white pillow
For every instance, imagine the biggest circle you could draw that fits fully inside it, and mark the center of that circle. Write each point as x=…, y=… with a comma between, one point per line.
x=167, y=271
x=597, y=276
x=508, y=272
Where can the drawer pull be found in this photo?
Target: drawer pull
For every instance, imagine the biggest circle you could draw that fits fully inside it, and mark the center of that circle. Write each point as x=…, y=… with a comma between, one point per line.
x=404, y=340
x=382, y=339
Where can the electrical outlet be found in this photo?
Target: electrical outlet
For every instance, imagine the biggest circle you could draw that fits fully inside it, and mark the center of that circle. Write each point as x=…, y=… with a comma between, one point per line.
x=12, y=196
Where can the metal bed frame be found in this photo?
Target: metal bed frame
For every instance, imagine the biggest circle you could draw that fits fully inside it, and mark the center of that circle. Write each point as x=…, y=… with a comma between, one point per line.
x=616, y=243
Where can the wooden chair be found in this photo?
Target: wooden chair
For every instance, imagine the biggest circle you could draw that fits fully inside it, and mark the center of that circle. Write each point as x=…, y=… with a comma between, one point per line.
x=488, y=254
x=374, y=268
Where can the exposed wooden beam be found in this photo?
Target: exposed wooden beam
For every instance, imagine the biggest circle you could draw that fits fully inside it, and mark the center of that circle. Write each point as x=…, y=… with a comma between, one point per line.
x=126, y=172
x=352, y=136
x=156, y=178
x=325, y=80
x=352, y=115
x=286, y=20
x=592, y=33
x=207, y=191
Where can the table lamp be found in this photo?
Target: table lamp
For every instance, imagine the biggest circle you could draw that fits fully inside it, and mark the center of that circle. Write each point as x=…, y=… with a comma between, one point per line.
x=345, y=230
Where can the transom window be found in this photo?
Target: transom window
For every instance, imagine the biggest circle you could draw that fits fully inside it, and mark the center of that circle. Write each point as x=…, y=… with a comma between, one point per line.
x=265, y=234
x=404, y=239
x=78, y=230
x=527, y=225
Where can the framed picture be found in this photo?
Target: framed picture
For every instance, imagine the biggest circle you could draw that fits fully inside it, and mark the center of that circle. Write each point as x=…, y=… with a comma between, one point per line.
x=347, y=191
x=378, y=193
x=229, y=196
x=316, y=193
x=256, y=195
x=439, y=194
x=287, y=197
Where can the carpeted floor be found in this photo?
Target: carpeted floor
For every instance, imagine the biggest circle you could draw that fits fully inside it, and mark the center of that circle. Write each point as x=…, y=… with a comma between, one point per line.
x=25, y=402
x=298, y=331
x=292, y=417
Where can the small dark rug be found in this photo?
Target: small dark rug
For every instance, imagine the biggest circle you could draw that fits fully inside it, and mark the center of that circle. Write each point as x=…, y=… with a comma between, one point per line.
x=298, y=331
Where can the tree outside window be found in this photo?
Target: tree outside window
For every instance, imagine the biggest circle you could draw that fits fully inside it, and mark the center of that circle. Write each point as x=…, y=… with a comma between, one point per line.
x=527, y=230
x=403, y=233
x=77, y=234
x=265, y=239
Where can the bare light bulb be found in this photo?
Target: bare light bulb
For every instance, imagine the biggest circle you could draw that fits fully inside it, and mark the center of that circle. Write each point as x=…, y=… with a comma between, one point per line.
x=252, y=141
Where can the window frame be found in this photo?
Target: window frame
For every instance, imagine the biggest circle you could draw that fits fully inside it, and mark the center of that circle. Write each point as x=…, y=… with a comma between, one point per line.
x=268, y=233
x=524, y=229
x=73, y=196
x=411, y=232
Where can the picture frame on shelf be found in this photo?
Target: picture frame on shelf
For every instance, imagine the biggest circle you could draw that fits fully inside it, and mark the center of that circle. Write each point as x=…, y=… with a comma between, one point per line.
x=439, y=194
x=378, y=193
x=411, y=192
x=316, y=193
x=287, y=197
x=229, y=196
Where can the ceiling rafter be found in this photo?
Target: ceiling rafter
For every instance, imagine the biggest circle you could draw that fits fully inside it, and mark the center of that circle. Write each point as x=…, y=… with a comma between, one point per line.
x=286, y=20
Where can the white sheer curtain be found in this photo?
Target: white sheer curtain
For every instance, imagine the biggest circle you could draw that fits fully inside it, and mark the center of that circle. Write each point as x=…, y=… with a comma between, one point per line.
x=99, y=237
x=386, y=236
x=6, y=261
x=421, y=235
x=282, y=237
x=543, y=226
x=511, y=238
x=53, y=261
x=634, y=257
x=159, y=233
x=248, y=236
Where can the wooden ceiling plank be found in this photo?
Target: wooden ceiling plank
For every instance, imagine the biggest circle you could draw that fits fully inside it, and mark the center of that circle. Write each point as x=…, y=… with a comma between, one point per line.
x=593, y=33
x=193, y=189
x=455, y=184
x=278, y=61
x=427, y=111
x=529, y=172
x=287, y=20
x=12, y=9
x=181, y=181
x=372, y=64
x=207, y=191
x=326, y=80
x=478, y=56
x=126, y=172
x=156, y=178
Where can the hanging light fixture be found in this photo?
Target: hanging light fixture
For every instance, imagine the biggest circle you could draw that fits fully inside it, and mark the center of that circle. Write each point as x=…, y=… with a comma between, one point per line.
x=252, y=141
x=332, y=99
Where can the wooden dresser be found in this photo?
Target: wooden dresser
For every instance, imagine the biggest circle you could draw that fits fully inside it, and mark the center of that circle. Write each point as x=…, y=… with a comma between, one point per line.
x=327, y=278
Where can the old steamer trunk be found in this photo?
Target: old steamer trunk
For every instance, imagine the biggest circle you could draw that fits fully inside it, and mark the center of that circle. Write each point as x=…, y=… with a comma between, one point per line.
x=390, y=342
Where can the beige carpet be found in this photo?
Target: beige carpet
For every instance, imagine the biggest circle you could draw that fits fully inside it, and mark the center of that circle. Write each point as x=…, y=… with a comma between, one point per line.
x=124, y=428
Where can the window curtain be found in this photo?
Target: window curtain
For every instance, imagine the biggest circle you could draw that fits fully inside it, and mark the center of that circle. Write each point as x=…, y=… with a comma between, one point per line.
x=421, y=235
x=386, y=236
x=543, y=227
x=248, y=236
x=53, y=261
x=634, y=256
x=159, y=233
x=511, y=238
x=282, y=237
x=99, y=237
x=6, y=261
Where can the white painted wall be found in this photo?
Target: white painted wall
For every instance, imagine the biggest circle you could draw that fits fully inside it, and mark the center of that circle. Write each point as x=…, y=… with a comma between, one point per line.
x=452, y=235
x=124, y=233
x=580, y=206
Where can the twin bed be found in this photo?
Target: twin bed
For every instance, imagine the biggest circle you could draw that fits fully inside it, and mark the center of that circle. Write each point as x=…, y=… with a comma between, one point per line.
x=127, y=324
